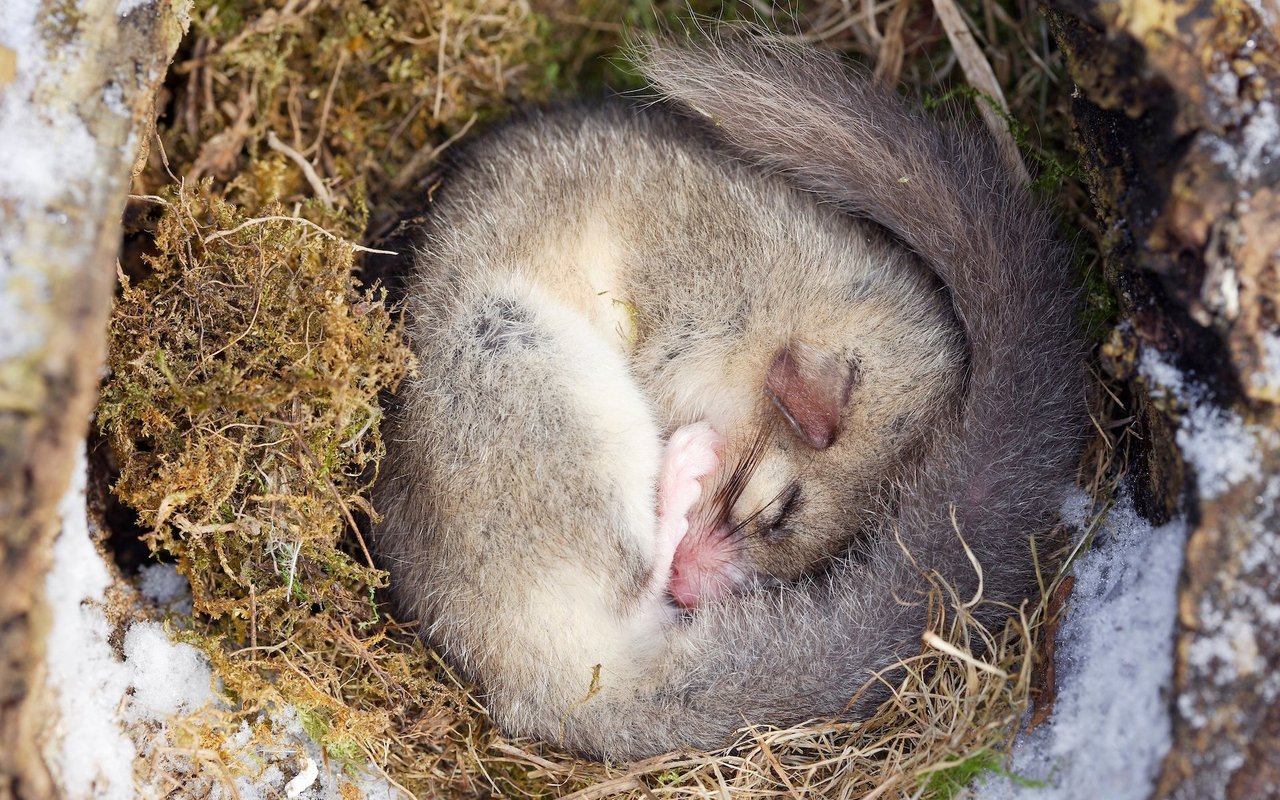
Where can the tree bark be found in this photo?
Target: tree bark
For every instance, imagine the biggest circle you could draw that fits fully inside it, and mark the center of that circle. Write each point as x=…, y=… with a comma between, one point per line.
x=1178, y=117
x=85, y=79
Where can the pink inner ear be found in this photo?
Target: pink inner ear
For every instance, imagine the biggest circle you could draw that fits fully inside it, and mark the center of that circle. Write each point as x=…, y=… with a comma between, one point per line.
x=811, y=397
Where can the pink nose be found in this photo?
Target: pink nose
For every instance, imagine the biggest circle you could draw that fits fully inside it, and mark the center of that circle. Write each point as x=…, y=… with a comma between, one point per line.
x=684, y=589
x=706, y=566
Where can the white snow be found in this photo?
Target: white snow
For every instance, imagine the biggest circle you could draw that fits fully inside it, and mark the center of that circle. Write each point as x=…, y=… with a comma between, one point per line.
x=1260, y=141
x=1267, y=10
x=100, y=697
x=163, y=586
x=1268, y=375
x=94, y=757
x=1076, y=508
x=113, y=98
x=1224, y=81
x=167, y=678
x=1110, y=727
x=1225, y=651
x=1111, y=724
x=1163, y=379
x=294, y=766
x=1249, y=152
x=113, y=711
x=126, y=7
x=33, y=133
x=1222, y=447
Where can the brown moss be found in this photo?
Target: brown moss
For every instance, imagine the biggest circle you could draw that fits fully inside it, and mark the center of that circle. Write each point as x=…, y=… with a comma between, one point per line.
x=243, y=409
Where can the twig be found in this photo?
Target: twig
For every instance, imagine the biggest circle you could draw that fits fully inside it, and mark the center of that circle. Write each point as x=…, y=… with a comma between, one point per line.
x=308, y=171
x=404, y=123
x=973, y=559
x=892, y=48
x=269, y=21
x=440, y=71
x=979, y=74
x=606, y=788
x=938, y=643
x=550, y=766
x=867, y=15
x=328, y=102
x=588, y=23
x=631, y=780
x=282, y=218
x=208, y=756
x=424, y=156
x=382, y=770
x=778, y=769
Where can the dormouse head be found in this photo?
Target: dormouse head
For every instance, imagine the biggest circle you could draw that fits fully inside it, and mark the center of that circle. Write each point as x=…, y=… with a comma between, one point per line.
x=792, y=490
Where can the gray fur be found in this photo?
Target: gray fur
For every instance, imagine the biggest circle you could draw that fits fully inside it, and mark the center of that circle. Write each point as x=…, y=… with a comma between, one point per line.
x=520, y=536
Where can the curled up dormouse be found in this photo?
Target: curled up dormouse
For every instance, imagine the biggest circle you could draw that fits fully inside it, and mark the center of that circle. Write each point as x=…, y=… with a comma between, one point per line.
x=708, y=393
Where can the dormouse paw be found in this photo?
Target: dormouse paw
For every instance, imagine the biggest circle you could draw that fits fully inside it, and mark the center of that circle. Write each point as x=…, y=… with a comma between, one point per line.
x=692, y=453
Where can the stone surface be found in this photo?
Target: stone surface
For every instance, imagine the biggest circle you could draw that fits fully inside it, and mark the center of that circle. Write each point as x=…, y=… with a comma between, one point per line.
x=1178, y=114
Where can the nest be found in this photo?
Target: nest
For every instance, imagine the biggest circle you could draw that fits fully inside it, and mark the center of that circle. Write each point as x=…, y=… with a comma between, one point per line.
x=249, y=365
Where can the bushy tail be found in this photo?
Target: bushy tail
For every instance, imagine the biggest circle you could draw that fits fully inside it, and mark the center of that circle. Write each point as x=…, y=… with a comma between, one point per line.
x=997, y=479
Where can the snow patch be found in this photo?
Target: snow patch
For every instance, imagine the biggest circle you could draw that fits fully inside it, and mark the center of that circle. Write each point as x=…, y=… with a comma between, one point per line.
x=1224, y=82
x=1267, y=377
x=1110, y=727
x=162, y=585
x=1260, y=140
x=111, y=712
x=1077, y=506
x=168, y=678
x=127, y=7
x=1221, y=447
x=294, y=767
x=1266, y=11
x=92, y=756
x=16, y=339
x=99, y=696
x=113, y=98
x=1163, y=379
x=1248, y=154
x=1225, y=650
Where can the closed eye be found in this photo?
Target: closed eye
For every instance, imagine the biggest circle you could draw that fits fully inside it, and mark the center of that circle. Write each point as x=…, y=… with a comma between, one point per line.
x=788, y=503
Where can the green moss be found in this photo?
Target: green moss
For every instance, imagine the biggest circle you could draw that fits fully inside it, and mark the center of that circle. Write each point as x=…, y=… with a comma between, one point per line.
x=358, y=89
x=582, y=40
x=1053, y=165
x=315, y=722
x=1100, y=310
x=954, y=779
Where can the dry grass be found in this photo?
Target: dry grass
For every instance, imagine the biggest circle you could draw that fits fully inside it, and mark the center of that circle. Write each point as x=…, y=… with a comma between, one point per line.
x=247, y=370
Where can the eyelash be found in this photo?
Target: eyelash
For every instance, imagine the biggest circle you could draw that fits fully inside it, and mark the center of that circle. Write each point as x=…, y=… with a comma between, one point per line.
x=791, y=499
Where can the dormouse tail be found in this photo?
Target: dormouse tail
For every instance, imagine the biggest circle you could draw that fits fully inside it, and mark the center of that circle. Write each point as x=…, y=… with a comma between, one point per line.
x=946, y=193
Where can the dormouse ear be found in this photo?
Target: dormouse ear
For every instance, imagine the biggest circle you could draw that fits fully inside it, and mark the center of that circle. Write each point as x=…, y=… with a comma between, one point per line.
x=811, y=390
